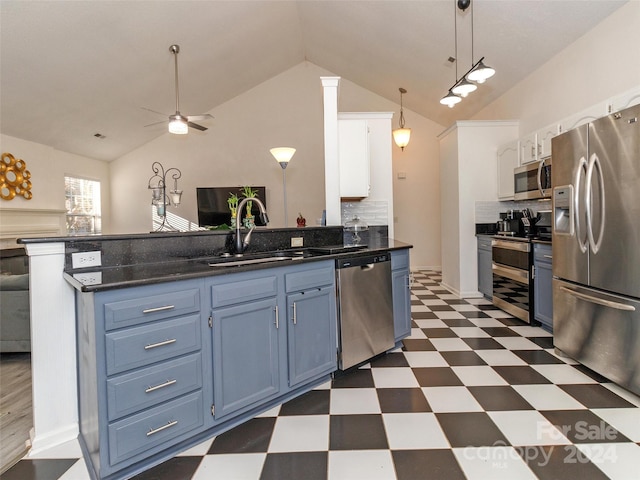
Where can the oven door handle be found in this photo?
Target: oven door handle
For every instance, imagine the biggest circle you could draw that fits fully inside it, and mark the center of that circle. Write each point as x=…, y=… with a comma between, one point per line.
x=511, y=245
x=514, y=274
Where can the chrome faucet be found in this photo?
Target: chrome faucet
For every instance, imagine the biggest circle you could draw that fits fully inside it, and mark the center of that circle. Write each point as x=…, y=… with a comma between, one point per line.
x=241, y=244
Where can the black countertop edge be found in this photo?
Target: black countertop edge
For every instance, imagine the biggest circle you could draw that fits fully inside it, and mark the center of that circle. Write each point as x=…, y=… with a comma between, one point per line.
x=149, y=274
x=143, y=236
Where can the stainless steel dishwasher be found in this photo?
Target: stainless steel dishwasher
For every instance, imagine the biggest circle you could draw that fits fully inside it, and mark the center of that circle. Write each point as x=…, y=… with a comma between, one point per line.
x=365, y=308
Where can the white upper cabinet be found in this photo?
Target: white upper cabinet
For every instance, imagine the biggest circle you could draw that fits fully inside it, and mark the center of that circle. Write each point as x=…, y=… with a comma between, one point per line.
x=529, y=148
x=544, y=140
x=585, y=116
x=353, y=147
x=508, y=160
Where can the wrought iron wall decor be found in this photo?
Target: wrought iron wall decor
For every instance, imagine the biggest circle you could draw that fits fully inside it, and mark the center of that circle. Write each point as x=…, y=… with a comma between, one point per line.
x=14, y=178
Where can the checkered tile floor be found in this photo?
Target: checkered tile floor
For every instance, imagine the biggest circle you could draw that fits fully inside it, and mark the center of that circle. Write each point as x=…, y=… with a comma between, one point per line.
x=474, y=393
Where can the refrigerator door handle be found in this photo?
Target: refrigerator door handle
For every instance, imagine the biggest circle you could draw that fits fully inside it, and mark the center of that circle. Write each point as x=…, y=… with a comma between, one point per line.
x=599, y=301
x=594, y=163
x=582, y=166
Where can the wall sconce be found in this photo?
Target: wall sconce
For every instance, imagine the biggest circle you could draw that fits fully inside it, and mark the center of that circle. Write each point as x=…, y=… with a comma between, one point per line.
x=402, y=135
x=283, y=156
x=158, y=186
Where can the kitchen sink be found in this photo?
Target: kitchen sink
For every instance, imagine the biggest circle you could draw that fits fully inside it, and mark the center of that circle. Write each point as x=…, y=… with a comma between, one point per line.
x=237, y=261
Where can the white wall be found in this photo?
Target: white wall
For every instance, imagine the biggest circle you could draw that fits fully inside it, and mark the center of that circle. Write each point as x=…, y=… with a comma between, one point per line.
x=602, y=63
x=48, y=168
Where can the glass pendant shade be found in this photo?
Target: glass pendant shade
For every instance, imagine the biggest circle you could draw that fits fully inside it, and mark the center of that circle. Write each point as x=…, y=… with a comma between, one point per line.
x=176, y=196
x=450, y=100
x=481, y=73
x=401, y=136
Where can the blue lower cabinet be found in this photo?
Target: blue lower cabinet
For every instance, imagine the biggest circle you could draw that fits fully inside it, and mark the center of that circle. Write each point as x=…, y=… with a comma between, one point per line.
x=246, y=364
x=311, y=334
x=141, y=373
x=400, y=283
x=542, y=286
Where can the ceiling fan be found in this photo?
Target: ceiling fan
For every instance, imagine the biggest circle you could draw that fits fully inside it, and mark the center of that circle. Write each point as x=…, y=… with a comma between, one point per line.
x=178, y=123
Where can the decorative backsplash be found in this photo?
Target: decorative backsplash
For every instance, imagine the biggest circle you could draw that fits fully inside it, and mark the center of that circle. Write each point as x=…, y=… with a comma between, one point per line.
x=373, y=212
x=489, y=212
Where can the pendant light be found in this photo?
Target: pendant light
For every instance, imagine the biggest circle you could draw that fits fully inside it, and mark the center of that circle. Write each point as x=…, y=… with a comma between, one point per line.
x=402, y=135
x=478, y=73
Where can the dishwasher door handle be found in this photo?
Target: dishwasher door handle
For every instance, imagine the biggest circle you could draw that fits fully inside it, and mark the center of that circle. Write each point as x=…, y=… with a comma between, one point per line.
x=368, y=266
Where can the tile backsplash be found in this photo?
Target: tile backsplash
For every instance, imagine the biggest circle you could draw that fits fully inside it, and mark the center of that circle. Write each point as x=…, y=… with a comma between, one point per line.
x=373, y=212
x=489, y=212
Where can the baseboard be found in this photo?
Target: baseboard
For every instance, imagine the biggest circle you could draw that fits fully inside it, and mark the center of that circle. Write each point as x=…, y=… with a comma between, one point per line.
x=52, y=439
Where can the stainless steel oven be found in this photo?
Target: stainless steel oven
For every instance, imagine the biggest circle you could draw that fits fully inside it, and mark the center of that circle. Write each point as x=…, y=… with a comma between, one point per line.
x=512, y=283
x=533, y=180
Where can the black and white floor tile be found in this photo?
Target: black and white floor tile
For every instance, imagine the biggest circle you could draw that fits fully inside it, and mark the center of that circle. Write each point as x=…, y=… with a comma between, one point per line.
x=474, y=394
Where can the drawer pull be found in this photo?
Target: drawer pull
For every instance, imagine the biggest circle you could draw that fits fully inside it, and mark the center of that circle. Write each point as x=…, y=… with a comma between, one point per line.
x=158, y=309
x=548, y=256
x=159, y=429
x=158, y=387
x=160, y=344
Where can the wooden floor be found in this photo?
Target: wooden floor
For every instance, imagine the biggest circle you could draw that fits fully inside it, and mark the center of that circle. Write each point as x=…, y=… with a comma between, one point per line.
x=16, y=415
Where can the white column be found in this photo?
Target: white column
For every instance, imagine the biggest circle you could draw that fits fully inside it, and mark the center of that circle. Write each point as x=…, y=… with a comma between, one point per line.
x=331, y=155
x=53, y=348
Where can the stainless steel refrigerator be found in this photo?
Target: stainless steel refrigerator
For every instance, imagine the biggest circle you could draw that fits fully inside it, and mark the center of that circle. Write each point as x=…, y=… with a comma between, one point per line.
x=596, y=246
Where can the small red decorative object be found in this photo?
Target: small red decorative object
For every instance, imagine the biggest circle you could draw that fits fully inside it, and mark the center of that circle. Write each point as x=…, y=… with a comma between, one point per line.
x=301, y=221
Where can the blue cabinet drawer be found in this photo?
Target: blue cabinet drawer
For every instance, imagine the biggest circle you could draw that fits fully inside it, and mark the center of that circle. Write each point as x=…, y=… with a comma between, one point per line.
x=149, y=308
x=140, y=346
x=542, y=253
x=242, y=291
x=159, y=426
x=399, y=259
x=150, y=386
x=310, y=278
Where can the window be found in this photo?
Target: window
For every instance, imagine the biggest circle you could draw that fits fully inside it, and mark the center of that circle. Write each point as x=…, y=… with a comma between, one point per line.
x=82, y=201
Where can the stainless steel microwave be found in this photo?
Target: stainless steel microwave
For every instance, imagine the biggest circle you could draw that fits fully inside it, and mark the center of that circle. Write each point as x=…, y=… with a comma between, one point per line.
x=533, y=180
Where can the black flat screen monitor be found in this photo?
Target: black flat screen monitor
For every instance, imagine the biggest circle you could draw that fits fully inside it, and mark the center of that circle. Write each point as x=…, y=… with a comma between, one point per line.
x=213, y=209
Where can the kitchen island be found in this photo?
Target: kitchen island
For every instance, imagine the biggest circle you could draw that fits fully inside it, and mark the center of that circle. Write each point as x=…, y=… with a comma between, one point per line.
x=230, y=351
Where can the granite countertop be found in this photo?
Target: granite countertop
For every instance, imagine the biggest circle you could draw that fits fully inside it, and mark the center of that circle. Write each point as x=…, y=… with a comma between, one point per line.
x=123, y=276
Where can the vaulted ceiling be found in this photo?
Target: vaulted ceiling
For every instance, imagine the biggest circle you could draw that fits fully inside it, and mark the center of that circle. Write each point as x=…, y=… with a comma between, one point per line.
x=70, y=69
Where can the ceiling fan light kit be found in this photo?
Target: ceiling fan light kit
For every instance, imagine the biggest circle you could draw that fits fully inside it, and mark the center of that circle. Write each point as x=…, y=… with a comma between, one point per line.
x=477, y=74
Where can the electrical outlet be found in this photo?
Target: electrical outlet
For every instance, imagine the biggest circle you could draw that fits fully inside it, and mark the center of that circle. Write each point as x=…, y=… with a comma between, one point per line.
x=297, y=241
x=89, y=278
x=86, y=259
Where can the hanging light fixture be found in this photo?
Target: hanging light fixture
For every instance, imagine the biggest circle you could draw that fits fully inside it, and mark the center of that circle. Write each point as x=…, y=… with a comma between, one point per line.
x=402, y=135
x=478, y=73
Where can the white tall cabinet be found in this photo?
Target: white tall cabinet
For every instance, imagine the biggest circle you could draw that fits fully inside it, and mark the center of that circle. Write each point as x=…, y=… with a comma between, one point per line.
x=468, y=173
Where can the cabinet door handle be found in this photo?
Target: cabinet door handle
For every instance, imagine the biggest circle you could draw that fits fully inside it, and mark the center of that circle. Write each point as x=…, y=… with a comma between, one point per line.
x=163, y=427
x=277, y=320
x=548, y=256
x=158, y=309
x=159, y=386
x=159, y=344
x=295, y=320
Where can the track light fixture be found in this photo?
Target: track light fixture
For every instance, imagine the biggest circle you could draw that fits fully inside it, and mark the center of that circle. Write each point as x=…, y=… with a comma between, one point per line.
x=478, y=72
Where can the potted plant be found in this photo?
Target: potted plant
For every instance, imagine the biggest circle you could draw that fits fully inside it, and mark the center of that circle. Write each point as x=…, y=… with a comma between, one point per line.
x=248, y=192
x=232, y=201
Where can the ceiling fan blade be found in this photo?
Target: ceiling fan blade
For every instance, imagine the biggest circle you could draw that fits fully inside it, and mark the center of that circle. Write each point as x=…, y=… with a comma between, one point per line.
x=196, y=126
x=155, y=123
x=153, y=111
x=197, y=118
